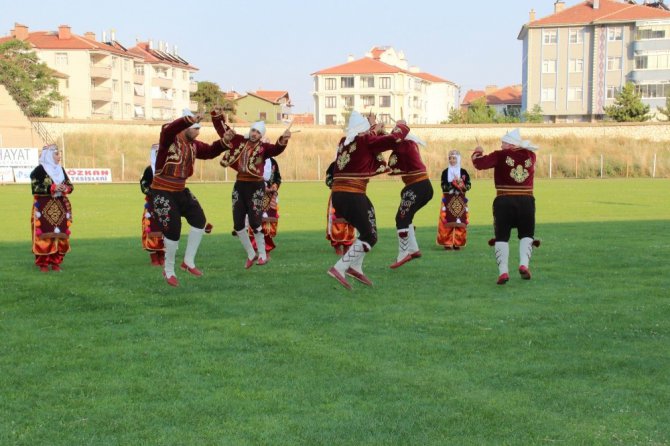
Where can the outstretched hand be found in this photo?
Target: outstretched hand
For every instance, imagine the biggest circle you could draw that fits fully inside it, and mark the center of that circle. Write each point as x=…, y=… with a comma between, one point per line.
x=228, y=135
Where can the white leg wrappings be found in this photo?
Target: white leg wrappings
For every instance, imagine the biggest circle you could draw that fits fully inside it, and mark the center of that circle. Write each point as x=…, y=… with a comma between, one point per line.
x=502, y=256
x=171, y=247
x=194, y=238
x=404, y=243
x=353, y=258
x=243, y=235
x=525, y=251
x=413, y=244
x=260, y=244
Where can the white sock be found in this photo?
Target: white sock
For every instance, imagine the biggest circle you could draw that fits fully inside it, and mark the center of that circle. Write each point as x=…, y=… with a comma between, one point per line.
x=194, y=238
x=525, y=251
x=404, y=243
x=260, y=244
x=243, y=235
x=502, y=257
x=413, y=244
x=171, y=247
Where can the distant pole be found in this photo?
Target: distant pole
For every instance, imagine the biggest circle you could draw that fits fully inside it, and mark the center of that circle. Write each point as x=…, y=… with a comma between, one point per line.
x=123, y=167
x=601, y=165
x=62, y=151
x=318, y=168
x=576, y=166
x=653, y=170
x=549, y=166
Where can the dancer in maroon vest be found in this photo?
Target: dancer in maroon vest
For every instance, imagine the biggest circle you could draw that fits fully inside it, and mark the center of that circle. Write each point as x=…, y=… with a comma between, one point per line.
x=514, y=206
x=358, y=159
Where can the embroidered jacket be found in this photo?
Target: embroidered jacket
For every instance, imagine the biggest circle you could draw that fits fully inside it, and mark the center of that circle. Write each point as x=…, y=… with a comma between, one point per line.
x=176, y=155
x=513, y=170
x=42, y=184
x=243, y=155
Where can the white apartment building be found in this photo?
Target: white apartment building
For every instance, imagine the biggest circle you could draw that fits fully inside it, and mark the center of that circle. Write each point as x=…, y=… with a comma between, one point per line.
x=105, y=80
x=384, y=84
x=576, y=60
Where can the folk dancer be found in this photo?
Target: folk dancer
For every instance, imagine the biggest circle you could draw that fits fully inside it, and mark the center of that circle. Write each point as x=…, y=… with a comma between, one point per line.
x=152, y=237
x=270, y=219
x=171, y=200
x=51, y=213
x=339, y=232
x=514, y=206
x=405, y=160
x=452, y=226
x=247, y=155
x=358, y=159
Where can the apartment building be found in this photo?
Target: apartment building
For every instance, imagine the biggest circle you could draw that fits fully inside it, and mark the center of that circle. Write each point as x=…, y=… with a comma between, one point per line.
x=576, y=60
x=383, y=83
x=102, y=79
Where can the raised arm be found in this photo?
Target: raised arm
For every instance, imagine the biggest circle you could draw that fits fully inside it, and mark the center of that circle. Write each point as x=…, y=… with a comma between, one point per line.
x=481, y=161
x=170, y=131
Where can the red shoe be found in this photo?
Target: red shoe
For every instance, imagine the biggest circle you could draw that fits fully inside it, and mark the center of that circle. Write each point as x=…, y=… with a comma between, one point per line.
x=448, y=248
x=416, y=255
x=250, y=262
x=44, y=268
x=56, y=268
x=337, y=276
x=457, y=248
x=262, y=261
x=503, y=279
x=524, y=272
x=402, y=261
x=492, y=241
x=362, y=278
x=172, y=281
x=155, y=260
x=537, y=243
x=194, y=271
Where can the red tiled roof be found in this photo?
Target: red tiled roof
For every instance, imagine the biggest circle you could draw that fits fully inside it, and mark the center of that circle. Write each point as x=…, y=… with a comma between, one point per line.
x=505, y=96
x=155, y=56
x=272, y=95
x=367, y=65
x=377, y=52
x=49, y=40
x=609, y=11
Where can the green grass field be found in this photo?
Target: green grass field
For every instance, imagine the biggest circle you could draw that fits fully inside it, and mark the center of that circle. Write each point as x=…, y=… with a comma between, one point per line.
x=105, y=353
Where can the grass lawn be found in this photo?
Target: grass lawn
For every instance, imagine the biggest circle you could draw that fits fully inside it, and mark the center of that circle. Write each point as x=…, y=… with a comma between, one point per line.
x=105, y=353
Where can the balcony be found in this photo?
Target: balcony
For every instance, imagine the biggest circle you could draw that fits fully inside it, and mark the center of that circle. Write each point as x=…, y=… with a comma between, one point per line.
x=638, y=76
x=161, y=103
x=138, y=78
x=138, y=100
x=101, y=71
x=193, y=86
x=162, y=82
x=651, y=45
x=101, y=94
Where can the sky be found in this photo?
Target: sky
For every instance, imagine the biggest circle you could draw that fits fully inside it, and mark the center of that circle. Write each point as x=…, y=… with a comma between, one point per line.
x=276, y=45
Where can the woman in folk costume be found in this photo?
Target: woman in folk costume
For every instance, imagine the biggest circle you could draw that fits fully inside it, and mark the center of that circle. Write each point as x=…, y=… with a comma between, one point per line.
x=178, y=148
x=514, y=206
x=405, y=160
x=152, y=237
x=358, y=159
x=270, y=220
x=452, y=227
x=247, y=156
x=338, y=231
x=51, y=213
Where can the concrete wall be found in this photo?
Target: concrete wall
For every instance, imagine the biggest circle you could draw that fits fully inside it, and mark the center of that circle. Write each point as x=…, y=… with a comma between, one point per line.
x=15, y=129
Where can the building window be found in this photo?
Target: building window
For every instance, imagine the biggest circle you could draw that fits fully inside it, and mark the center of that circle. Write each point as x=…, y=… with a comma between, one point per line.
x=115, y=108
x=368, y=101
x=614, y=34
x=126, y=88
x=548, y=94
x=331, y=83
x=549, y=37
x=184, y=95
x=262, y=116
x=330, y=119
x=331, y=102
x=127, y=109
x=367, y=82
x=575, y=65
x=385, y=118
x=649, y=91
x=385, y=83
x=115, y=61
x=126, y=65
x=653, y=32
x=612, y=92
x=61, y=59
x=348, y=101
x=549, y=66
x=139, y=70
x=575, y=93
x=653, y=61
x=347, y=82
x=385, y=101
x=576, y=36
x=115, y=85
x=613, y=63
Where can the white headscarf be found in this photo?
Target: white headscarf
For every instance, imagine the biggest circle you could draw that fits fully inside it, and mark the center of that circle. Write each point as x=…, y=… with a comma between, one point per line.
x=259, y=126
x=357, y=124
x=187, y=112
x=454, y=172
x=154, y=155
x=53, y=169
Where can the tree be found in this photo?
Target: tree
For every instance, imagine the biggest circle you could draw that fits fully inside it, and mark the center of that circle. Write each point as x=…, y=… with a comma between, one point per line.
x=479, y=112
x=30, y=82
x=665, y=111
x=628, y=106
x=208, y=95
x=457, y=116
x=534, y=116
